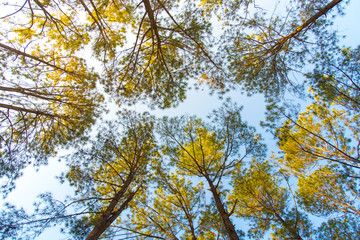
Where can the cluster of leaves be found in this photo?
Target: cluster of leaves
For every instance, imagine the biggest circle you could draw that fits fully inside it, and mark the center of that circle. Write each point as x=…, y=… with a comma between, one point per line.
x=267, y=51
x=321, y=147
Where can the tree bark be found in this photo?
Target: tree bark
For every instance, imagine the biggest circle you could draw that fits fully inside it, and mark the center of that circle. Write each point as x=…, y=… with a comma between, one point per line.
x=306, y=24
x=37, y=112
x=13, y=50
x=293, y=232
x=225, y=216
x=110, y=215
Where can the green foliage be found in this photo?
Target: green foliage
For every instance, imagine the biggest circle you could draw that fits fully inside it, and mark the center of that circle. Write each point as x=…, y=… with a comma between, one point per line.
x=9, y=227
x=212, y=151
x=168, y=43
x=336, y=77
x=112, y=168
x=17, y=224
x=106, y=171
x=212, y=221
x=168, y=51
x=323, y=133
x=48, y=92
x=42, y=110
x=259, y=197
x=329, y=190
x=200, y=149
x=321, y=146
x=173, y=210
x=268, y=52
x=339, y=229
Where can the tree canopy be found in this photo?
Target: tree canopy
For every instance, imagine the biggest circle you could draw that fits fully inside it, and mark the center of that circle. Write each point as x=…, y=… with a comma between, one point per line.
x=67, y=66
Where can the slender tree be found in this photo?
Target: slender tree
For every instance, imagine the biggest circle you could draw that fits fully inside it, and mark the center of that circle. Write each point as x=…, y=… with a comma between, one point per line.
x=211, y=153
x=107, y=172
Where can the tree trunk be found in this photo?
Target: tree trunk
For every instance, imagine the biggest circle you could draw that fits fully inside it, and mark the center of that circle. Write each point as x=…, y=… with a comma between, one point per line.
x=18, y=52
x=230, y=229
x=110, y=215
x=306, y=24
x=293, y=231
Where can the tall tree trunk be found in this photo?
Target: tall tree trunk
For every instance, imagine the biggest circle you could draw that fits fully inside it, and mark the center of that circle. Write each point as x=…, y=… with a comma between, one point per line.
x=267, y=203
x=293, y=231
x=225, y=216
x=110, y=215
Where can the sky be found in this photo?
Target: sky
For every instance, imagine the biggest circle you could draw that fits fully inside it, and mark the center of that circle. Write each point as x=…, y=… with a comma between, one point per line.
x=199, y=103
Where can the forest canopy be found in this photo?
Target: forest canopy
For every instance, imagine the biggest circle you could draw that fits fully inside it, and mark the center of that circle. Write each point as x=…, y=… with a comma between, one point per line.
x=73, y=71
